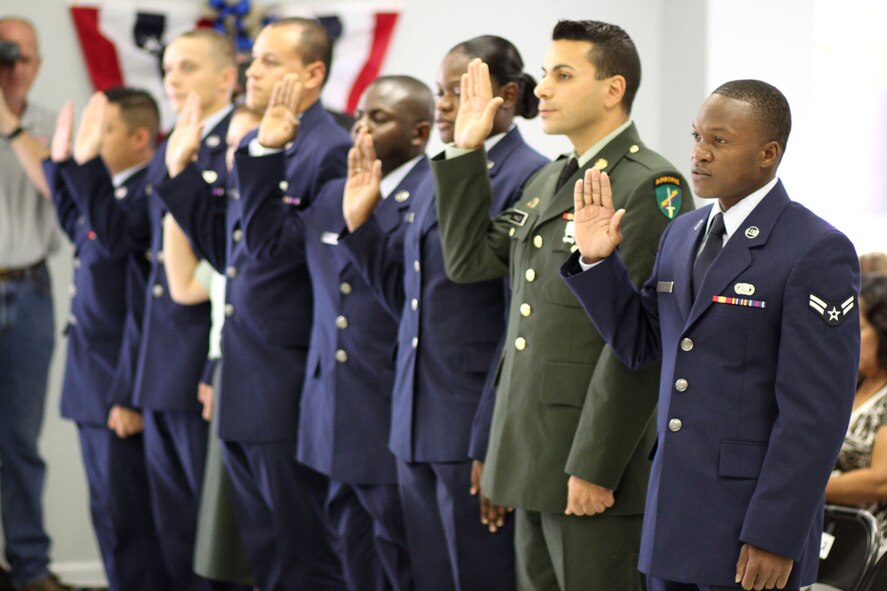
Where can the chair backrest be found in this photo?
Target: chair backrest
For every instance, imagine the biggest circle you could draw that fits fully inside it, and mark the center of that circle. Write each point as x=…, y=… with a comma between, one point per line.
x=877, y=579
x=853, y=550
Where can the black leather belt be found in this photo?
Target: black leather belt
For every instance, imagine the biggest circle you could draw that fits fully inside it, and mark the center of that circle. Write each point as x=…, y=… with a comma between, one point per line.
x=20, y=274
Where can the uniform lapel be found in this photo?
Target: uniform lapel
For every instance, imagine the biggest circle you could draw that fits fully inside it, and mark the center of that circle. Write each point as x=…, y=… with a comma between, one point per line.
x=685, y=256
x=606, y=160
x=736, y=255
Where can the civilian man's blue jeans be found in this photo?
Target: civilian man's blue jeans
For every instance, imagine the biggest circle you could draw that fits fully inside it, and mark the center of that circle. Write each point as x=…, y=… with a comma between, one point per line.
x=26, y=343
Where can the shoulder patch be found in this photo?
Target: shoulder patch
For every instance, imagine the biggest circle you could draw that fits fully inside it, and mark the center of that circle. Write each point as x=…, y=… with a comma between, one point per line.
x=668, y=195
x=832, y=314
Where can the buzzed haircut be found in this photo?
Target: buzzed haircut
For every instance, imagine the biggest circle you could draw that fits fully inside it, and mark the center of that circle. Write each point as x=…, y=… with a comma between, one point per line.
x=769, y=104
x=315, y=44
x=420, y=98
x=222, y=46
x=137, y=109
x=612, y=52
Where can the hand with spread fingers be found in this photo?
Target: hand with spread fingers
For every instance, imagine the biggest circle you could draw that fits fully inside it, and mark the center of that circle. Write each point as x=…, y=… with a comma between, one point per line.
x=597, y=226
x=88, y=142
x=184, y=141
x=477, y=108
x=362, y=192
x=125, y=421
x=760, y=569
x=491, y=514
x=586, y=498
x=60, y=147
x=281, y=119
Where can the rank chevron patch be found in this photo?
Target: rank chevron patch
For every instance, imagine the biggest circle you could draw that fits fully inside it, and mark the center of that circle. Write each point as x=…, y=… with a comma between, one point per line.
x=832, y=314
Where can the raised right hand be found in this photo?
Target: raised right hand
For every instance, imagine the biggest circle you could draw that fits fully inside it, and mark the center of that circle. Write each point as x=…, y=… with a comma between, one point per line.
x=60, y=148
x=280, y=123
x=184, y=141
x=477, y=107
x=362, y=191
x=88, y=143
x=597, y=226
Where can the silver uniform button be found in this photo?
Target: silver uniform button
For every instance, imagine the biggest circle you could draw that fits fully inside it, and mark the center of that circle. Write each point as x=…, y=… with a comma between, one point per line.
x=237, y=235
x=681, y=385
x=231, y=272
x=72, y=320
x=157, y=291
x=76, y=263
x=414, y=304
x=341, y=356
x=72, y=290
x=284, y=185
x=686, y=344
x=159, y=256
x=415, y=342
x=213, y=141
x=675, y=425
x=229, y=310
x=345, y=288
x=417, y=266
x=341, y=322
x=120, y=192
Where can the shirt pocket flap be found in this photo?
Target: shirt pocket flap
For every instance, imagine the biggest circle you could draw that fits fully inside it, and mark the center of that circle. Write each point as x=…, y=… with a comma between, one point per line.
x=566, y=383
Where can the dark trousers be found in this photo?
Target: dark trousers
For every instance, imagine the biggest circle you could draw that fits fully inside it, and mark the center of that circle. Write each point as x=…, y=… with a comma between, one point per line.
x=569, y=553
x=655, y=584
x=449, y=547
x=278, y=504
x=26, y=342
x=175, y=449
x=368, y=519
x=120, y=506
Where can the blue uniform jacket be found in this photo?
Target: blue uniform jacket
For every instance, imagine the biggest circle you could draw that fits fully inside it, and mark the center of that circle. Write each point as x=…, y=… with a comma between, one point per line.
x=175, y=338
x=105, y=288
x=756, y=390
x=268, y=291
x=448, y=332
x=346, y=402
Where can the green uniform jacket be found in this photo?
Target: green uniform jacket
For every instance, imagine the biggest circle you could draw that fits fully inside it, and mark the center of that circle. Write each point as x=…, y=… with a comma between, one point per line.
x=565, y=405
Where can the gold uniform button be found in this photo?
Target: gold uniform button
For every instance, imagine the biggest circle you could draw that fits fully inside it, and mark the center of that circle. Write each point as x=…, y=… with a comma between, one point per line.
x=537, y=241
x=414, y=304
x=601, y=163
x=634, y=149
x=231, y=272
x=229, y=310
x=686, y=344
x=530, y=275
x=210, y=176
x=417, y=266
x=341, y=322
x=511, y=232
x=401, y=196
x=520, y=343
x=341, y=356
x=157, y=291
x=525, y=310
x=675, y=425
x=681, y=385
x=415, y=342
x=237, y=235
x=345, y=288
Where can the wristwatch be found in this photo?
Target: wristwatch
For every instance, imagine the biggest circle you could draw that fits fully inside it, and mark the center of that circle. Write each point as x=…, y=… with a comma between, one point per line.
x=14, y=133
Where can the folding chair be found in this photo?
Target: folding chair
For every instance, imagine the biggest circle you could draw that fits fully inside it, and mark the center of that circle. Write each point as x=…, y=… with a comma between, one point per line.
x=850, y=548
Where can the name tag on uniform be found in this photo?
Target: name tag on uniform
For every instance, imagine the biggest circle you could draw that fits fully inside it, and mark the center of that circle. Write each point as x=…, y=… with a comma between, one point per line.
x=330, y=238
x=516, y=217
x=664, y=286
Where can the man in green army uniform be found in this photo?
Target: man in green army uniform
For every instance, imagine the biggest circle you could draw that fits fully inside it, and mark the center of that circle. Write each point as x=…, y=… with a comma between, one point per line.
x=572, y=427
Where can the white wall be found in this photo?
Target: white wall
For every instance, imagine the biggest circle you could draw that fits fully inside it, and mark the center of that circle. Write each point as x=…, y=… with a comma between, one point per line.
x=687, y=47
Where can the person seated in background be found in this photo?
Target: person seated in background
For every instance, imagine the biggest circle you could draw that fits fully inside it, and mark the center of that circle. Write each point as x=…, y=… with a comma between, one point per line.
x=860, y=476
x=873, y=262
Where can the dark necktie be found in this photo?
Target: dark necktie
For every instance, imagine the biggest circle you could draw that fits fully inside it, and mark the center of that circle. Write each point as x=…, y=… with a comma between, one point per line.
x=567, y=171
x=714, y=240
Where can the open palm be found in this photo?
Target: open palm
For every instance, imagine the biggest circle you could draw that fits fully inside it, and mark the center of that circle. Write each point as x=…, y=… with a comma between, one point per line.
x=477, y=107
x=597, y=226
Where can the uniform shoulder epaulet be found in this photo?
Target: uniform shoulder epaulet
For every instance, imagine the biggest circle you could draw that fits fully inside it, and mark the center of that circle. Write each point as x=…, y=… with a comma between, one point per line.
x=647, y=157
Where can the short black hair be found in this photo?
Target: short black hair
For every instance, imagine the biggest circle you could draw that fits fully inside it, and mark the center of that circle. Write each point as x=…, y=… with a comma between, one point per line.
x=769, y=104
x=315, y=44
x=137, y=108
x=506, y=65
x=421, y=99
x=612, y=52
x=873, y=300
